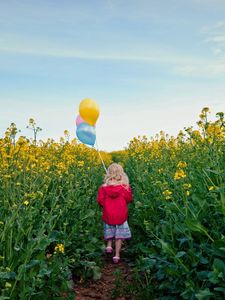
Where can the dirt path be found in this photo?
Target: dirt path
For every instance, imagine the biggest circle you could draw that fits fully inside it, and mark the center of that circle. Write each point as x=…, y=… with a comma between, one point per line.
x=115, y=277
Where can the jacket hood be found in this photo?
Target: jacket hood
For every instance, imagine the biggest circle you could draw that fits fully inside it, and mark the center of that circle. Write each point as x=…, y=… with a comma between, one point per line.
x=113, y=191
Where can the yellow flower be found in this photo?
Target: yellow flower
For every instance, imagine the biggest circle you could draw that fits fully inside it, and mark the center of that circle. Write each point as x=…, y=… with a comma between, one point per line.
x=205, y=110
x=8, y=285
x=211, y=188
x=214, y=130
x=66, y=132
x=167, y=193
x=60, y=248
x=80, y=163
x=187, y=186
x=196, y=133
x=187, y=193
x=182, y=164
x=179, y=175
x=25, y=202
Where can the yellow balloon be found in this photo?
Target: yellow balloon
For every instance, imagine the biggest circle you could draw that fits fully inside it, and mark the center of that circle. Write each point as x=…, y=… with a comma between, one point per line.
x=89, y=111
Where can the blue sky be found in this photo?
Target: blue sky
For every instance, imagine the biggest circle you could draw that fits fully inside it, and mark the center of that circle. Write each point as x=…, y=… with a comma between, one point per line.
x=150, y=65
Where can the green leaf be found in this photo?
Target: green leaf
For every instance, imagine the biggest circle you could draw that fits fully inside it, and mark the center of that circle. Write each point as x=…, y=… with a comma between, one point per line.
x=220, y=245
x=220, y=289
x=97, y=273
x=204, y=294
x=89, y=214
x=218, y=265
x=180, y=254
x=195, y=226
x=45, y=272
x=166, y=248
x=215, y=172
x=203, y=275
x=33, y=262
x=7, y=275
x=203, y=260
x=213, y=277
x=44, y=243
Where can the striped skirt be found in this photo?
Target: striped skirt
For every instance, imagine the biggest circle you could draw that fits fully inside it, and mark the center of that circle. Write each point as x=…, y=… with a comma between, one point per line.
x=117, y=231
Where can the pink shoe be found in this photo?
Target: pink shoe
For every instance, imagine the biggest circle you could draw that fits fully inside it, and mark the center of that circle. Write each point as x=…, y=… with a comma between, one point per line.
x=108, y=250
x=116, y=259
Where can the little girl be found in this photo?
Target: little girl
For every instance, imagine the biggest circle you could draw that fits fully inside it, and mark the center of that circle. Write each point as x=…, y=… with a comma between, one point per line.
x=113, y=197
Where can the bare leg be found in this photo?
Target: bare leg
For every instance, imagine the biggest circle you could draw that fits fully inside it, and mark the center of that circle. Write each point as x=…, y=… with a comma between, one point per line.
x=118, y=244
x=109, y=243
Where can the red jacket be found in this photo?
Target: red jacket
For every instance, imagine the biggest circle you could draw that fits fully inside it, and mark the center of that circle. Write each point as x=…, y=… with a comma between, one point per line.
x=113, y=199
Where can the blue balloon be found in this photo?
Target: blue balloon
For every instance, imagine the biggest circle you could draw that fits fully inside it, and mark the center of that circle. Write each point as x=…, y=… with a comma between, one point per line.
x=86, y=134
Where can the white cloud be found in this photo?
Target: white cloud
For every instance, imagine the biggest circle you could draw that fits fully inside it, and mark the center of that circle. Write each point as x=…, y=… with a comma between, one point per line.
x=217, y=51
x=215, y=36
x=213, y=28
x=36, y=46
x=15, y=45
x=207, y=70
x=181, y=64
x=217, y=39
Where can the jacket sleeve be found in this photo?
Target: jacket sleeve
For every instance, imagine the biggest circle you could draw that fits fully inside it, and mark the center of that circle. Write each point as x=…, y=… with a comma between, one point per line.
x=101, y=196
x=128, y=194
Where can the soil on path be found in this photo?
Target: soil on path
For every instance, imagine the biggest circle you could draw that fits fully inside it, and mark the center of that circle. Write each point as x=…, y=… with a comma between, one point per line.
x=113, y=283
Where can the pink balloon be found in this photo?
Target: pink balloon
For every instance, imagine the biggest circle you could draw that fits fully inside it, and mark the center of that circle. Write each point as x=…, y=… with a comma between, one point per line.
x=79, y=120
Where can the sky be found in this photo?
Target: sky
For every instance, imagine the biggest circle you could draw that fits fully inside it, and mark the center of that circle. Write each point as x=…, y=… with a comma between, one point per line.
x=150, y=65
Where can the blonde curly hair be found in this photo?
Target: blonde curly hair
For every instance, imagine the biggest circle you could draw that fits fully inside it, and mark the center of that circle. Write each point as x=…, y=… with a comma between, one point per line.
x=115, y=172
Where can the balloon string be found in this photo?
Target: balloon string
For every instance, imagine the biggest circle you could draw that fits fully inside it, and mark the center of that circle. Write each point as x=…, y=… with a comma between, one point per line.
x=100, y=156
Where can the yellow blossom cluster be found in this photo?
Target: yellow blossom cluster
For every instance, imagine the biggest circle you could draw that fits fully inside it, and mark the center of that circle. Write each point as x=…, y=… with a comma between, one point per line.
x=182, y=164
x=211, y=188
x=187, y=187
x=59, y=248
x=80, y=163
x=167, y=194
x=46, y=157
x=179, y=174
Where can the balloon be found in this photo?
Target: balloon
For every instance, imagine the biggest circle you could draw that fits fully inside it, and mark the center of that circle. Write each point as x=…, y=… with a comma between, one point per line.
x=86, y=134
x=89, y=111
x=79, y=120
